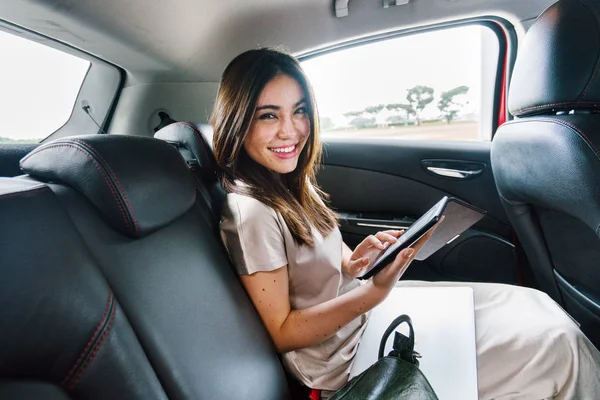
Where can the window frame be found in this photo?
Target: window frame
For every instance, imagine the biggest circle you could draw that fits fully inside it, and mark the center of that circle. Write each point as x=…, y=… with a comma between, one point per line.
x=100, y=89
x=507, y=50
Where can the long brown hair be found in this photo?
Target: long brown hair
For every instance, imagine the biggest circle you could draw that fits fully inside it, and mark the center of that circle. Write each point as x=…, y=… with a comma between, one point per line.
x=290, y=194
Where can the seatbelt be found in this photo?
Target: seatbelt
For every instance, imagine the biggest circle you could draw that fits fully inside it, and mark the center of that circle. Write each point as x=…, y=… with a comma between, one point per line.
x=88, y=110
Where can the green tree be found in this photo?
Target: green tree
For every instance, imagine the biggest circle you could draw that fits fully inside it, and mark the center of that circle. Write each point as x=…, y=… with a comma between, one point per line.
x=448, y=105
x=396, y=120
x=326, y=123
x=353, y=114
x=374, y=110
x=406, y=108
x=362, y=122
x=418, y=98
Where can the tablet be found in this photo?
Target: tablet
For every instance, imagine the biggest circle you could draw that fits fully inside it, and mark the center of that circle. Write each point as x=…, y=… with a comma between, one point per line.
x=458, y=217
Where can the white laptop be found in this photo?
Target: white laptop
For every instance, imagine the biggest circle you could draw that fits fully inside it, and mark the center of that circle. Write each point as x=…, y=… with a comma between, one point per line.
x=444, y=323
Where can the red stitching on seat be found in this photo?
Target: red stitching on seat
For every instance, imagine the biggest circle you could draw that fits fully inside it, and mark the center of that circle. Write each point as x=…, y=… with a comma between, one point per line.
x=32, y=190
x=63, y=144
x=97, y=348
x=87, y=346
x=110, y=171
x=561, y=122
x=558, y=122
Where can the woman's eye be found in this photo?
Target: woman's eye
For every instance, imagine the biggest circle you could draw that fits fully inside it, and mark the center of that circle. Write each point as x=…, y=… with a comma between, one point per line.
x=301, y=110
x=267, y=116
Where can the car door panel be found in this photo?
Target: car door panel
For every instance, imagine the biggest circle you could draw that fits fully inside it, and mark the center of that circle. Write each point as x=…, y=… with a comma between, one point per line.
x=384, y=184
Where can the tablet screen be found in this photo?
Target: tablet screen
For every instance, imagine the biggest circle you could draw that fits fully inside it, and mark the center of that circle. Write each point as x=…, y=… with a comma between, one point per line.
x=416, y=230
x=458, y=217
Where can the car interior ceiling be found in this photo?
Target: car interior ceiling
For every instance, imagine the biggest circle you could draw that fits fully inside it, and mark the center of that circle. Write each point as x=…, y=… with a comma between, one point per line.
x=115, y=282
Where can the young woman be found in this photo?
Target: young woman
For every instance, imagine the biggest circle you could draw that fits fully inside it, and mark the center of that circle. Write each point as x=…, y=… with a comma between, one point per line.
x=300, y=276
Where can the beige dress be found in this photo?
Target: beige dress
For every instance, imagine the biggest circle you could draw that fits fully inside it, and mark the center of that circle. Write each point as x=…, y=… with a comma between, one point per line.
x=258, y=239
x=527, y=347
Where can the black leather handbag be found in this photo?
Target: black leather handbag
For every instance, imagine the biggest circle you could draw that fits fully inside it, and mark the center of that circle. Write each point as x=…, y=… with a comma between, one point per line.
x=395, y=376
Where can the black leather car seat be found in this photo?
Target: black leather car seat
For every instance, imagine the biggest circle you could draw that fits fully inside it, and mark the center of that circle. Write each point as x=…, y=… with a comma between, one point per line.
x=194, y=142
x=63, y=332
x=109, y=243
x=546, y=162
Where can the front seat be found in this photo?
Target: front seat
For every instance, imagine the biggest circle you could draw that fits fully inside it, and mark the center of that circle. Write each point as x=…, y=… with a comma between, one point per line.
x=546, y=162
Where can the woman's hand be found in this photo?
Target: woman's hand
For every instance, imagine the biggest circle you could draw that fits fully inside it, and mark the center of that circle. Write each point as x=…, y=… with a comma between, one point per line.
x=388, y=277
x=296, y=329
x=368, y=250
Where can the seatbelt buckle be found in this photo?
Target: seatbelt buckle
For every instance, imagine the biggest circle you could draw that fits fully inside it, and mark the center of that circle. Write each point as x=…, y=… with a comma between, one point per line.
x=315, y=394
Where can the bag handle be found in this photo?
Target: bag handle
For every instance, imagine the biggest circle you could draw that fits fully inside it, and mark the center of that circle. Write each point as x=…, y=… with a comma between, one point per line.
x=408, y=344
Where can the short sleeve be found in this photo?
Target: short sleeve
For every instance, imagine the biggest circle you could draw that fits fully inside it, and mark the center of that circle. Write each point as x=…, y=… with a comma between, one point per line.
x=252, y=235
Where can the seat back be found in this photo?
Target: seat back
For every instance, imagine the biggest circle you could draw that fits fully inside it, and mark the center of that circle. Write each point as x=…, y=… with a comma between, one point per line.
x=546, y=162
x=63, y=332
x=130, y=201
x=194, y=142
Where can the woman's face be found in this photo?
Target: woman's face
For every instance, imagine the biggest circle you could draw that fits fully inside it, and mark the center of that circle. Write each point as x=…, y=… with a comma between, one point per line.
x=280, y=127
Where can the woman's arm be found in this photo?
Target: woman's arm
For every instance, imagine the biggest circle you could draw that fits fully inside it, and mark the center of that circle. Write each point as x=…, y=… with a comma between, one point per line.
x=295, y=329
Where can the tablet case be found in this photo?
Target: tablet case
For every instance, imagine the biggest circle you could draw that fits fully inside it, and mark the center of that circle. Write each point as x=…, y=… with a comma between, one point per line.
x=458, y=217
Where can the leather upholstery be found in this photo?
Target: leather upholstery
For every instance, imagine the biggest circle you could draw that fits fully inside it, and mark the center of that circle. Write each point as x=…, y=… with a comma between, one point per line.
x=61, y=324
x=184, y=300
x=547, y=166
x=10, y=154
x=31, y=390
x=194, y=141
x=553, y=161
x=558, y=65
x=91, y=312
x=126, y=179
x=197, y=138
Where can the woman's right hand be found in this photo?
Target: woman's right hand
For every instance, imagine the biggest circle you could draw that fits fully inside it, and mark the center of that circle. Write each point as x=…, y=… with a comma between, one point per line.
x=388, y=277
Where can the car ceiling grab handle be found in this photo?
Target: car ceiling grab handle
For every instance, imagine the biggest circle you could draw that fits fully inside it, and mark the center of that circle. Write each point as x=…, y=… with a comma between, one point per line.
x=341, y=8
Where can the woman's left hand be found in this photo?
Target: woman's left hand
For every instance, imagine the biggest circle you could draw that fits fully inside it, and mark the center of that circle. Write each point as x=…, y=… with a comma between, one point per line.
x=368, y=249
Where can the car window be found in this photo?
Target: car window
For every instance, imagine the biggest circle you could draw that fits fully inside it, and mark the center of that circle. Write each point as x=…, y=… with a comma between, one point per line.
x=435, y=85
x=39, y=87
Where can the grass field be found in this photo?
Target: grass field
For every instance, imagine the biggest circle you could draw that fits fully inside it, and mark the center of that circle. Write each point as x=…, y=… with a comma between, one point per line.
x=456, y=131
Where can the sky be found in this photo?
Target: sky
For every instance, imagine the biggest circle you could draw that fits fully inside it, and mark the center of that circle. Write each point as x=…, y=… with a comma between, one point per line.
x=380, y=73
x=38, y=87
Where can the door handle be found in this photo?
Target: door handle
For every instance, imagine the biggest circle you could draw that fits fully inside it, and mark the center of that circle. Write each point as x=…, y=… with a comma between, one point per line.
x=454, y=169
x=454, y=173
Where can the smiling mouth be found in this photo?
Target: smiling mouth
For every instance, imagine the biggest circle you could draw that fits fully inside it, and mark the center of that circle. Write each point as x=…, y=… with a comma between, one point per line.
x=283, y=150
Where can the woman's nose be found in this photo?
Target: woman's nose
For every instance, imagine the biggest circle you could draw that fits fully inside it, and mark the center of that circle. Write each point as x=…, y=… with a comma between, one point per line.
x=286, y=128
